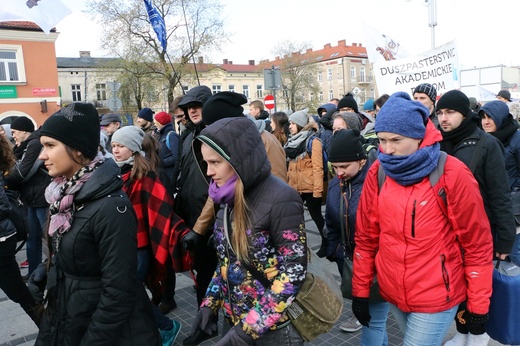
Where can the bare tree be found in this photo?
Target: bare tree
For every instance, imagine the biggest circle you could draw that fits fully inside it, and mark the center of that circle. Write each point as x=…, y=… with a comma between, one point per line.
x=193, y=29
x=299, y=75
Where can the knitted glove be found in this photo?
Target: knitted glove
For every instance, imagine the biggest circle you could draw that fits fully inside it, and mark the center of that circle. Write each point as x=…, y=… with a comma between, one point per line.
x=360, y=310
x=37, y=282
x=204, y=321
x=236, y=337
x=192, y=239
x=474, y=322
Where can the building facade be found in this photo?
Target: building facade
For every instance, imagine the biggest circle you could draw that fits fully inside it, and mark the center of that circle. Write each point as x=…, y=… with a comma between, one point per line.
x=28, y=73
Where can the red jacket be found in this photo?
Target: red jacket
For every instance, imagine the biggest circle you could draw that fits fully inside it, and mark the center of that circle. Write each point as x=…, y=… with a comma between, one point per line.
x=424, y=272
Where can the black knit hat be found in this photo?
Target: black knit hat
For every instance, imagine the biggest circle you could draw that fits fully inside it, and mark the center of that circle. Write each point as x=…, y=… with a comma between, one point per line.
x=222, y=105
x=456, y=100
x=348, y=101
x=22, y=124
x=345, y=146
x=77, y=126
x=427, y=89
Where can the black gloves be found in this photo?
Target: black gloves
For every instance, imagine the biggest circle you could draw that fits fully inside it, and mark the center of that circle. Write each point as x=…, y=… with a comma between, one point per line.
x=236, y=337
x=204, y=321
x=37, y=282
x=191, y=239
x=360, y=310
x=474, y=323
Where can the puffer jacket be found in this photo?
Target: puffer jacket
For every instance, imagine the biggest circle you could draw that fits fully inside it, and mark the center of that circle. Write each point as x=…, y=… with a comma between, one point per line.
x=277, y=236
x=306, y=173
x=405, y=235
x=96, y=298
x=170, y=156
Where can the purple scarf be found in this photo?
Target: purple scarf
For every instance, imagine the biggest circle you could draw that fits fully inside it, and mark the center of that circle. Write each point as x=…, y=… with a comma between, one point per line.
x=60, y=194
x=224, y=194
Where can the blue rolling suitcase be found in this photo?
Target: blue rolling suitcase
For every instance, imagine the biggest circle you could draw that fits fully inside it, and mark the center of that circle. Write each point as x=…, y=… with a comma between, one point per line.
x=504, y=311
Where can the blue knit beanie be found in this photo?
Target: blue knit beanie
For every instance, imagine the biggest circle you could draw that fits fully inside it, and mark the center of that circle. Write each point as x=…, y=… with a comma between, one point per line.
x=496, y=110
x=401, y=115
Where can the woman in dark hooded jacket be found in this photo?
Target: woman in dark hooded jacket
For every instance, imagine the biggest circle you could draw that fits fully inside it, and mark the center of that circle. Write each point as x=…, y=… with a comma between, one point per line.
x=93, y=295
x=260, y=225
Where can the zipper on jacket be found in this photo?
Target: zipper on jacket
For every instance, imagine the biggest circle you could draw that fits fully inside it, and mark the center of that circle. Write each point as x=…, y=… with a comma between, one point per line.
x=445, y=277
x=413, y=218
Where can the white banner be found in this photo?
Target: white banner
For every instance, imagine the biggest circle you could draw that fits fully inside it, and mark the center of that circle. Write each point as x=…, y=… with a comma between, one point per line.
x=484, y=94
x=45, y=13
x=381, y=47
x=438, y=67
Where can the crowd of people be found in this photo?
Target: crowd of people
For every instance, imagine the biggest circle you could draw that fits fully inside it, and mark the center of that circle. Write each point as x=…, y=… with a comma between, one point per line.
x=417, y=195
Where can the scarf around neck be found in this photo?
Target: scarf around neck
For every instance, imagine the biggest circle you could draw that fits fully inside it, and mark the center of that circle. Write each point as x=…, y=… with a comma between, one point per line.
x=465, y=129
x=505, y=133
x=60, y=194
x=411, y=169
x=224, y=194
x=296, y=145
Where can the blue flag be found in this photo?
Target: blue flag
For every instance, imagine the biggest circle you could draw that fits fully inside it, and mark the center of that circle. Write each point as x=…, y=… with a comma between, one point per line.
x=157, y=22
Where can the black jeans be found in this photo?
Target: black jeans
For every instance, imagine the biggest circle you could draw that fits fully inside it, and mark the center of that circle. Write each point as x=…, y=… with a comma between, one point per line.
x=11, y=281
x=314, y=208
x=204, y=262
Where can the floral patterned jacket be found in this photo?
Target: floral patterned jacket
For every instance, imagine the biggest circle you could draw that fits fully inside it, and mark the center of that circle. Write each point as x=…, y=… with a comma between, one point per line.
x=278, y=247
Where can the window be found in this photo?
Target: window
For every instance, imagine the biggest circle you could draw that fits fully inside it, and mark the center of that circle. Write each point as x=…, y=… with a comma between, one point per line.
x=259, y=91
x=76, y=92
x=321, y=96
x=329, y=73
x=362, y=77
x=245, y=90
x=320, y=76
x=101, y=92
x=312, y=96
x=353, y=72
x=216, y=88
x=11, y=63
x=331, y=94
x=232, y=88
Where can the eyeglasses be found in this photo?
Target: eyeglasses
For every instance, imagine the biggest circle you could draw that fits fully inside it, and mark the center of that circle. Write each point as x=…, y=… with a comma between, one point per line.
x=179, y=116
x=447, y=112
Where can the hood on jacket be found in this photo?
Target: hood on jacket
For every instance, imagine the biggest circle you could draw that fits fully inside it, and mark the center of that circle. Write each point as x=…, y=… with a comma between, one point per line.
x=105, y=180
x=496, y=110
x=326, y=120
x=328, y=107
x=237, y=140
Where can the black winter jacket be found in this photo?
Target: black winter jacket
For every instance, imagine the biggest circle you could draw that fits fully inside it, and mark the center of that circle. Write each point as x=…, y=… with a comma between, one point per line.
x=96, y=298
x=169, y=156
x=32, y=190
x=7, y=228
x=491, y=175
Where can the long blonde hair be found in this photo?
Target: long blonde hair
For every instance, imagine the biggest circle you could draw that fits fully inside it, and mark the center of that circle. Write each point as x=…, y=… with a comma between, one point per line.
x=241, y=223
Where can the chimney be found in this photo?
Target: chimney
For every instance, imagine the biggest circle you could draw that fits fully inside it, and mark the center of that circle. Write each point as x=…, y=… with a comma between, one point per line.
x=225, y=61
x=309, y=50
x=230, y=62
x=252, y=62
x=354, y=44
x=84, y=54
x=326, y=46
x=201, y=60
x=342, y=43
x=360, y=44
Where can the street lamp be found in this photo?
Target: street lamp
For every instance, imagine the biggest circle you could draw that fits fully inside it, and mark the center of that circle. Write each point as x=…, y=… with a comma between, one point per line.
x=432, y=17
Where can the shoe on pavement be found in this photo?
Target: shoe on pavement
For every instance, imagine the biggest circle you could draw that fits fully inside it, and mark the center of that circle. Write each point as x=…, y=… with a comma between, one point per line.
x=168, y=336
x=24, y=264
x=351, y=325
x=198, y=337
x=458, y=340
x=478, y=340
x=166, y=307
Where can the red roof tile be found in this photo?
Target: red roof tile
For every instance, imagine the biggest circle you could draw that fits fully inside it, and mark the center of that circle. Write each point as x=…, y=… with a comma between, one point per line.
x=22, y=25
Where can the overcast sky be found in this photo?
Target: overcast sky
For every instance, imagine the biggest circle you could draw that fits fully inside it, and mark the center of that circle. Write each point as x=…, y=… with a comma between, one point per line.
x=486, y=32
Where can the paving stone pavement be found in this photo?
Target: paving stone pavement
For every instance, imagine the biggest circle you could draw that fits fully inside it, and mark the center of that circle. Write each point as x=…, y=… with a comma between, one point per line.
x=16, y=328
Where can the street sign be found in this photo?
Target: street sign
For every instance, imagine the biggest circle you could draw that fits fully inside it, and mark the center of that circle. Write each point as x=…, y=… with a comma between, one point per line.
x=272, y=79
x=269, y=102
x=113, y=86
x=356, y=91
x=114, y=104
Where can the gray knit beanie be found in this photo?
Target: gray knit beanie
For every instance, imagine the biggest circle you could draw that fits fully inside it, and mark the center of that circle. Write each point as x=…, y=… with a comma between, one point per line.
x=129, y=136
x=300, y=118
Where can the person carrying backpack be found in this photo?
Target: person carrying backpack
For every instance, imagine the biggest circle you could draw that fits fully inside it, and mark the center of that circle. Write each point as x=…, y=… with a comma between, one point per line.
x=429, y=253
x=305, y=170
